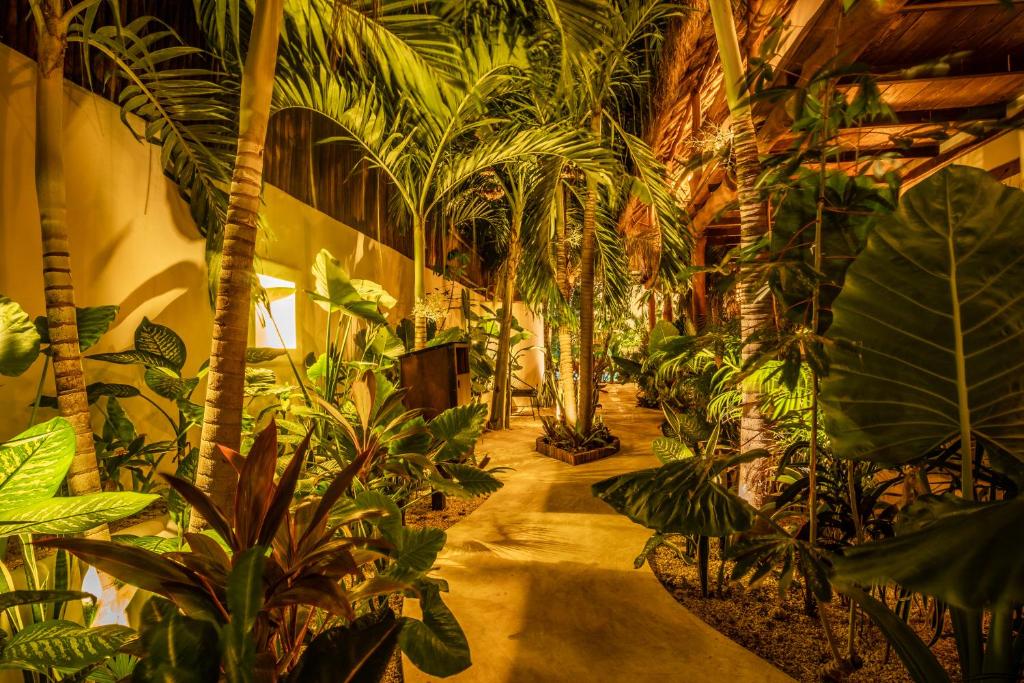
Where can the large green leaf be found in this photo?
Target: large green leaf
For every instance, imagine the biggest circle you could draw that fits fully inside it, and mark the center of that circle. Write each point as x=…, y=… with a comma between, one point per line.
x=467, y=481
x=168, y=384
x=677, y=498
x=34, y=463
x=335, y=291
x=245, y=599
x=95, y=391
x=457, y=430
x=928, y=332
x=73, y=515
x=921, y=664
x=160, y=341
x=15, y=598
x=345, y=654
x=19, y=340
x=852, y=206
x=948, y=553
x=130, y=357
x=93, y=323
x=259, y=354
x=179, y=649
x=436, y=645
x=64, y=644
x=417, y=552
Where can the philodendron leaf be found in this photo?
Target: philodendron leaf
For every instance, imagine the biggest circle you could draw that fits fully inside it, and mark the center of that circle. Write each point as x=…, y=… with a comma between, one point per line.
x=19, y=340
x=34, y=463
x=417, y=552
x=73, y=515
x=467, y=481
x=436, y=645
x=162, y=342
x=947, y=553
x=64, y=644
x=677, y=498
x=457, y=429
x=335, y=290
x=928, y=332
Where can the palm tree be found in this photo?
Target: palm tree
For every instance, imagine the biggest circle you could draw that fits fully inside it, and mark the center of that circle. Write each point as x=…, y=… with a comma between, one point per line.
x=434, y=139
x=755, y=306
x=222, y=419
x=52, y=23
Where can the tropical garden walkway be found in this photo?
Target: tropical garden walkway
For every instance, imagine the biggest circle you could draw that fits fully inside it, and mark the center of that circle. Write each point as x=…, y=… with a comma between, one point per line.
x=542, y=576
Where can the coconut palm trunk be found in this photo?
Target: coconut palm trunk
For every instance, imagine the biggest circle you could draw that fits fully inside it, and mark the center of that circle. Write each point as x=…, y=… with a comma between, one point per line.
x=419, y=289
x=501, y=398
x=222, y=422
x=754, y=303
x=566, y=371
x=588, y=252
x=59, y=292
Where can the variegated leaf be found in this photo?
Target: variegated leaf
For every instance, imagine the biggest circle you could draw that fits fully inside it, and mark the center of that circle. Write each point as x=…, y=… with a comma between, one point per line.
x=72, y=515
x=65, y=645
x=33, y=464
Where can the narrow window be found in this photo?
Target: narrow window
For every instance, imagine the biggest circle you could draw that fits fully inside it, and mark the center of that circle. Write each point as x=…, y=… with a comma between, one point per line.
x=276, y=328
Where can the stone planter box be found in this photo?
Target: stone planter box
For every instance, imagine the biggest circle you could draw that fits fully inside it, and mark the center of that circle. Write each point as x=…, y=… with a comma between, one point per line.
x=576, y=457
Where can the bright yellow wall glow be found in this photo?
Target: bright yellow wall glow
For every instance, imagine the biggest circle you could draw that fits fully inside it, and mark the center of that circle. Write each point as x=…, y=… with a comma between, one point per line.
x=281, y=294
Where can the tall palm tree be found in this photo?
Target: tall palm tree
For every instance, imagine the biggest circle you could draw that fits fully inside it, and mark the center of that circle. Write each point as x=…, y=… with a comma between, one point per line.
x=755, y=306
x=222, y=419
x=514, y=186
x=431, y=141
x=566, y=367
x=52, y=23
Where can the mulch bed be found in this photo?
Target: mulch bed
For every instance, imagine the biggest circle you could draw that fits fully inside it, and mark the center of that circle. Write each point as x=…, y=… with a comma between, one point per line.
x=780, y=631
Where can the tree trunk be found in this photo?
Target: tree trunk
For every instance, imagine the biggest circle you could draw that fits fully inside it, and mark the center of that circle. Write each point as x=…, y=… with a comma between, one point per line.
x=566, y=371
x=222, y=422
x=501, y=398
x=652, y=311
x=587, y=255
x=755, y=304
x=59, y=292
x=666, y=307
x=419, y=291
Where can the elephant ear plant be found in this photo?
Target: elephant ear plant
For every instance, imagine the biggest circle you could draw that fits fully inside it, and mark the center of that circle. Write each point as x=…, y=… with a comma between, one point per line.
x=283, y=591
x=926, y=353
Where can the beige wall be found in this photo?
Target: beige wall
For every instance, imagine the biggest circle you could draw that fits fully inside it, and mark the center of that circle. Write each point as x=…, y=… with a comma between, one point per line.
x=134, y=244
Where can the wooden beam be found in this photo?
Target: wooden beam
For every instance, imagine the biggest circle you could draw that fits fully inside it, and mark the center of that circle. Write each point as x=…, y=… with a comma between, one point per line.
x=830, y=35
x=954, y=4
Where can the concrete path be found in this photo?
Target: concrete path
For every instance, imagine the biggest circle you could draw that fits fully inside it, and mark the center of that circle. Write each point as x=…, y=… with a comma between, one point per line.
x=542, y=576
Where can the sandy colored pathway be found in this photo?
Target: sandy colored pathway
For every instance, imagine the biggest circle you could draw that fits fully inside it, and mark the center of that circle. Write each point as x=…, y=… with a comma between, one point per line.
x=542, y=576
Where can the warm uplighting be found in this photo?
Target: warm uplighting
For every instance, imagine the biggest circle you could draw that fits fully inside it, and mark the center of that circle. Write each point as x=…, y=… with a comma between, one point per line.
x=112, y=603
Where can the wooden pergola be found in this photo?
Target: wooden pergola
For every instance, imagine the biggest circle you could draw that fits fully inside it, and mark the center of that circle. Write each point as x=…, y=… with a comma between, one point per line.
x=978, y=46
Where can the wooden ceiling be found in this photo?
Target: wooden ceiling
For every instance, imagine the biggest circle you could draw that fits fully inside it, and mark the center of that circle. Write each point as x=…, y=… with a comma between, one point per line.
x=939, y=64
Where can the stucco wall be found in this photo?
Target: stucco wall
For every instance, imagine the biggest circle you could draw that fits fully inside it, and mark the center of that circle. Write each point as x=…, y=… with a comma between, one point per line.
x=134, y=244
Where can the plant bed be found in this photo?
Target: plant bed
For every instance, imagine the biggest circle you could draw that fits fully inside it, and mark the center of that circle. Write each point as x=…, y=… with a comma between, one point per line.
x=576, y=457
x=780, y=631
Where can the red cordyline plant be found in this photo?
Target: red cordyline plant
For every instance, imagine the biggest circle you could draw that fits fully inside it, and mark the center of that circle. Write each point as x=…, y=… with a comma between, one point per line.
x=269, y=576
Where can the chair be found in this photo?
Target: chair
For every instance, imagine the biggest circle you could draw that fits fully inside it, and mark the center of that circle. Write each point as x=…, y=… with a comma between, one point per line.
x=522, y=389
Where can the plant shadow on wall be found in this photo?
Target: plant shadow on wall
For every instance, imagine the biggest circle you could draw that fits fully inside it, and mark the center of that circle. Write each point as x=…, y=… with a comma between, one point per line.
x=940, y=276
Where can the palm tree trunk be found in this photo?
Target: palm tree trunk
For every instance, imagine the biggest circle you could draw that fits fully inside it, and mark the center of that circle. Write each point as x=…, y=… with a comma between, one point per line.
x=501, y=398
x=566, y=371
x=59, y=292
x=419, y=291
x=587, y=254
x=222, y=422
x=755, y=304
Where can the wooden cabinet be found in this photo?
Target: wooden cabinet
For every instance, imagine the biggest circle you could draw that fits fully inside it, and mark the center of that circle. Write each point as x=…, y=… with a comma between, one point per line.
x=437, y=378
